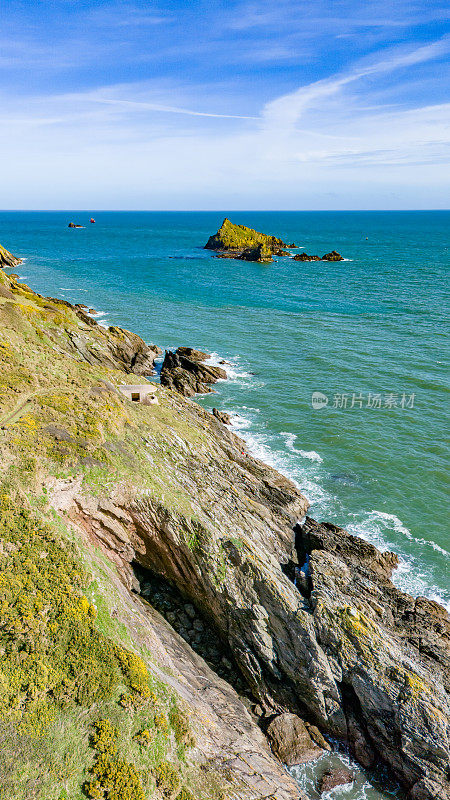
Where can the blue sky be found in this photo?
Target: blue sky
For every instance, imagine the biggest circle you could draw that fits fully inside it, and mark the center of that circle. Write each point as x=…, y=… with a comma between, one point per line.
x=292, y=104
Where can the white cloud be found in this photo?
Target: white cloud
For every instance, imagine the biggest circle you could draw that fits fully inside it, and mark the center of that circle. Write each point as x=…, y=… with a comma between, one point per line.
x=157, y=145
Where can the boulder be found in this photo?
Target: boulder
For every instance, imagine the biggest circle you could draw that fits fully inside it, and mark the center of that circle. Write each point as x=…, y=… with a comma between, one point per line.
x=290, y=740
x=7, y=259
x=338, y=776
x=333, y=256
x=188, y=376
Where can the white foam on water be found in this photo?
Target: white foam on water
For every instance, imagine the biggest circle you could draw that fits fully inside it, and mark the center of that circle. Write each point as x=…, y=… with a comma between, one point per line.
x=307, y=776
x=303, y=467
x=23, y=277
x=290, y=439
x=412, y=575
x=231, y=366
x=265, y=447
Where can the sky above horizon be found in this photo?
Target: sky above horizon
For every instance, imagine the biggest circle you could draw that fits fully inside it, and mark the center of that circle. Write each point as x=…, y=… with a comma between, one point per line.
x=294, y=104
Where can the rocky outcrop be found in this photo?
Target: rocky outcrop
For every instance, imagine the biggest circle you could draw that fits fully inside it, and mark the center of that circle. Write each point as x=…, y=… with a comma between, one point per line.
x=222, y=416
x=290, y=740
x=189, y=376
x=305, y=257
x=389, y=653
x=192, y=354
x=238, y=241
x=7, y=259
x=333, y=256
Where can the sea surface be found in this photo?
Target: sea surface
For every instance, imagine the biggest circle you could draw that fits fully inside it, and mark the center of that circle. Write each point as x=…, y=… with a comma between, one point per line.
x=369, y=334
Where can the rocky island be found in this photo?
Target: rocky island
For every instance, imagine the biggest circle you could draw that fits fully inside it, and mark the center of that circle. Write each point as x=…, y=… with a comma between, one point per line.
x=246, y=244
x=167, y=608
x=238, y=241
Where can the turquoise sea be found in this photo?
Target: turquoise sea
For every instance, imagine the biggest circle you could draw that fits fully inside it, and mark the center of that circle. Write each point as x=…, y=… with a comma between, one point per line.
x=368, y=332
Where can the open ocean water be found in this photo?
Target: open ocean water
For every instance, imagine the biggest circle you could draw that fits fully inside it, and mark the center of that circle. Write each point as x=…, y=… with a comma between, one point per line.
x=368, y=333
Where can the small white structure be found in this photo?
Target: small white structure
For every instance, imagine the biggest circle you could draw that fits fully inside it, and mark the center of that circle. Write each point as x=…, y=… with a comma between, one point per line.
x=140, y=393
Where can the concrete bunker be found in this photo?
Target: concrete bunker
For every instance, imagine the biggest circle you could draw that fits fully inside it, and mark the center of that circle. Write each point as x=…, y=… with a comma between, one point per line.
x=145, y=393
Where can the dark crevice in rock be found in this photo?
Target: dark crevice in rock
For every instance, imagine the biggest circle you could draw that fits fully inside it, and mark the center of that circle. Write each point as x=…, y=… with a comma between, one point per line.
x=191, y=625
x=297, y=569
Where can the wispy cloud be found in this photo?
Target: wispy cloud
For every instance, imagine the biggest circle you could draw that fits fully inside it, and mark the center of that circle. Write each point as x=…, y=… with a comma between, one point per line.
x=143, y=106
x=283, y=112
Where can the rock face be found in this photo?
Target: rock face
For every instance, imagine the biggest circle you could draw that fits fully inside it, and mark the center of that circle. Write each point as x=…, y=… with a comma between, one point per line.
x=238, y=241
x=360, y=658
x=290, y=740
x=7, y=259
x=189, y=376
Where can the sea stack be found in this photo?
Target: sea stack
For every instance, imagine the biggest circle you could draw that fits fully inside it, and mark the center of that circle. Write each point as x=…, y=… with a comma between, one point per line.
x=246, y=244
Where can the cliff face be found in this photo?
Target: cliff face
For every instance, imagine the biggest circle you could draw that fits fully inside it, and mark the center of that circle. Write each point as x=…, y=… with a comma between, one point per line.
x=7, y=259
x=166, y=488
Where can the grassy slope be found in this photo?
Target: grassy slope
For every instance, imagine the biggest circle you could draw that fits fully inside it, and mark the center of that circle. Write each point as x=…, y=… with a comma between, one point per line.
x=67, y=662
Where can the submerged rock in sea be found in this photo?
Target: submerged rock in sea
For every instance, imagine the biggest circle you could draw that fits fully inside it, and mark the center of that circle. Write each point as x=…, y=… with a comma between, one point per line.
x=338, y=776
x=238, y=241
x=7, y=259
x=290, y=740
x=189, y=376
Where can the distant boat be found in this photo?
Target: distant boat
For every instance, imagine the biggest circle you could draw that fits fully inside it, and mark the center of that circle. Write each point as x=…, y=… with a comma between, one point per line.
x=92, y=219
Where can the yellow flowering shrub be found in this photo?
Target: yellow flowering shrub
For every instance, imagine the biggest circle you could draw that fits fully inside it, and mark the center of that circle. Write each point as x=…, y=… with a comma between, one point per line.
x=114, y=778
x=52, y=652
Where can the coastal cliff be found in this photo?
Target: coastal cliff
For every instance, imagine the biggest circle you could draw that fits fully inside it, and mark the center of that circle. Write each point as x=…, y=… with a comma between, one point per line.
x=102, y=500
x=7, y=259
